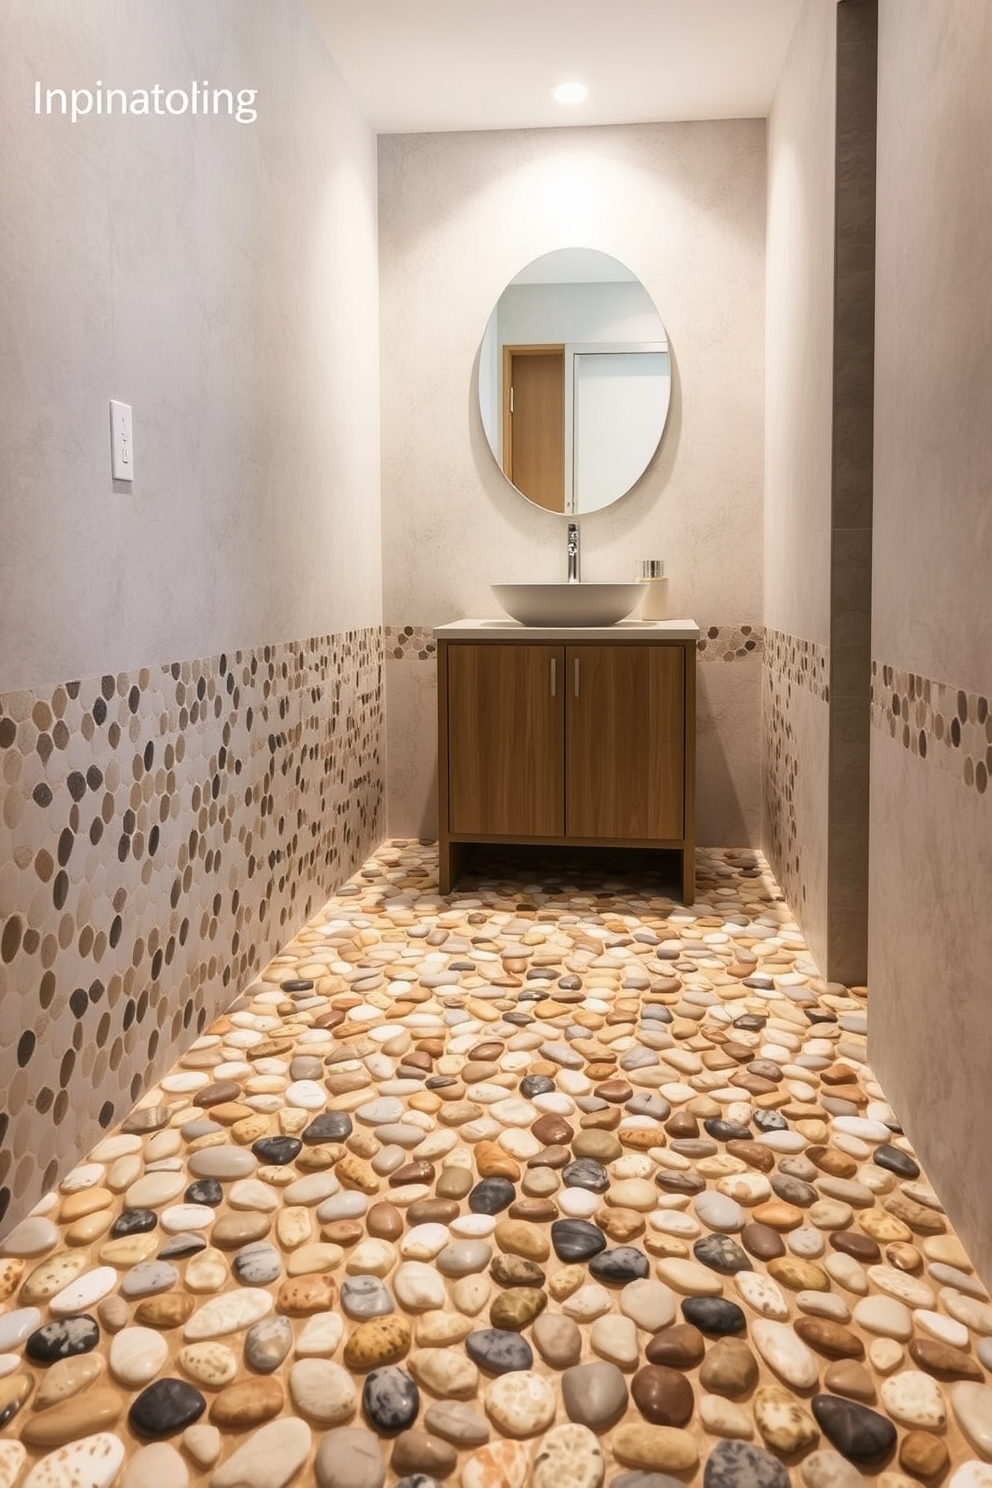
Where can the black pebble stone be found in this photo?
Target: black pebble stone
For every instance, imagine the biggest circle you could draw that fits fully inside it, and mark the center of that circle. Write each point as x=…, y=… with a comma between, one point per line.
x=714, y=1315
x=297, y=984
x=204, y=1191
x=793, y=1190
x=727, y=1131
x=819, y=1015
x=441, y=1082
x=625, y=1263
x=767, y=1121
x=329, y=1126
x=9, y=1412
x=491, y=1195
x=859, y=1434
x=576, y=1239
x=277, y=1150
x=167, y=1406
x=736, y=1464
x=895, y=1161
x=133, y=1222
x=62, y=1339
x=586, y=1172
x=390, y=1399
x=499, y=1351
x=721, y=1254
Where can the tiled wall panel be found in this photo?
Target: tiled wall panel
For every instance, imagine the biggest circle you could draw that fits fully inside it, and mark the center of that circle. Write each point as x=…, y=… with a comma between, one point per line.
x=162, y=832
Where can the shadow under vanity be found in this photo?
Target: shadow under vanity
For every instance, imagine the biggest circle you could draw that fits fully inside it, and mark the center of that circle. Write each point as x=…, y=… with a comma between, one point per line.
x=574, y=737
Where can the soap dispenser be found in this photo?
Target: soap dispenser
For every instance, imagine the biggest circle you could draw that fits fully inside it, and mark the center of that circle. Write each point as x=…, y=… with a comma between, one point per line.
x=654, y=600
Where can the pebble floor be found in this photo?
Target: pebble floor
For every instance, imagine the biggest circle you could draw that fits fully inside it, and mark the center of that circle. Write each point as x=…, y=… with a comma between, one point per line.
x=562, y=1185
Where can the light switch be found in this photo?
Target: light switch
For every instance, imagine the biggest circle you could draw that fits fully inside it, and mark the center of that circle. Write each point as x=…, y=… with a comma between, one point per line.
x=121, y=442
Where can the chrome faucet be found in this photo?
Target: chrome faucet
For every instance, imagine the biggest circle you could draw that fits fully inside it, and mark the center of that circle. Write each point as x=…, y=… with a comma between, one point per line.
x=573, y=552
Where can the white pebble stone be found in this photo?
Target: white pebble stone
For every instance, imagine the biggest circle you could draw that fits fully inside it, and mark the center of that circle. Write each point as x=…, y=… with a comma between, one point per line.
x=423, y=1242
x=519, y=1144
x=372, y=1257
x=633, y=1165
x=785, y=1353
x=745, y=1188
x=158, y=1465
x=180, y=1218
x=884, y=1315
x=944, y=1329
x=823, y=1304
x=762, y=1293
x=805, y=1242
x=615, y=1339
x=689, y=1277
x=719, y=1212
x=87, y=1175
x=973, y=1411
x=84, y=1292
x=321, y=1334
x=885, y=1354
x=93, y=1461
x=137, y=1355
x=674, y=1222
x=12, y=1459
x=724, y=1418
x=589, y=1302
x=847, y=1272
x=974, y=1314
x=521, y=1403
x=914, y=1399
x=229, y=1313
x=418, y=1286
x=269, y=1458
x=473, y=1226
x=783, y=1141
x=895, y=1283
x=306, y=1095
x=971, y=1475
x=578, y=1203
x=650, y=1304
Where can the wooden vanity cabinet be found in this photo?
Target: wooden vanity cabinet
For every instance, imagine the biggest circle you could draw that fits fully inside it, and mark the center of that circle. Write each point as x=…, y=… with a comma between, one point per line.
x=585, y=743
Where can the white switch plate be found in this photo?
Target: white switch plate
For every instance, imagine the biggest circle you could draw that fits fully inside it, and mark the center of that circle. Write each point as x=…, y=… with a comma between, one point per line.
x=121, y=441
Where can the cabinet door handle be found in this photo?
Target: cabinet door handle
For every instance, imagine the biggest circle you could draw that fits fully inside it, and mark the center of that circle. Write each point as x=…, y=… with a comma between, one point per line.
x=576, y=676
x=554, y=677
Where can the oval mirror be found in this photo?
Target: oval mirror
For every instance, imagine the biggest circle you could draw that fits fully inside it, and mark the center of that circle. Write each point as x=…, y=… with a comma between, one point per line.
x=574, y=380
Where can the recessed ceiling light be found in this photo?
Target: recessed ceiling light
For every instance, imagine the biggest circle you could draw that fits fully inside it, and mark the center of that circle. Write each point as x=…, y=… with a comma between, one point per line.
x=570, y=92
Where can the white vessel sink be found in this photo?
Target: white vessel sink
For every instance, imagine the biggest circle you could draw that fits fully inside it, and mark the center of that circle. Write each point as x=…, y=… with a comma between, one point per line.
x=568, y=604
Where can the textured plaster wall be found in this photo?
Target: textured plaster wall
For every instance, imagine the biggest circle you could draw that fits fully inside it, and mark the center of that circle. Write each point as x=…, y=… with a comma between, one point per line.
x=221, y=278
x=683, y=206
x=931, y=814
x=190, y=668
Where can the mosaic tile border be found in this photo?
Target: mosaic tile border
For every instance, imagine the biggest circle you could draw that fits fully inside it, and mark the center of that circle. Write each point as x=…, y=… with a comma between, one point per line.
x=716, y=642
x=806, y=663
x=162, y=833
x=780, y=759
x=935, y=721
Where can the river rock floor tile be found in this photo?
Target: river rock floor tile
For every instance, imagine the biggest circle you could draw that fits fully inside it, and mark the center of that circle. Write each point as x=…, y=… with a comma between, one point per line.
x=554, y=1182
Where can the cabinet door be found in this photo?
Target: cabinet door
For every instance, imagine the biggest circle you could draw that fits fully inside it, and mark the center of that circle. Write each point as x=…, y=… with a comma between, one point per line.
x=625, y=741
x=506, y=740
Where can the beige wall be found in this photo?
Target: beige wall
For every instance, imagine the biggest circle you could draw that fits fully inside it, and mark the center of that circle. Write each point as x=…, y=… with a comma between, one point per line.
x=190, y=673
x=221, y=278
x=460, y=214
x=931, y=811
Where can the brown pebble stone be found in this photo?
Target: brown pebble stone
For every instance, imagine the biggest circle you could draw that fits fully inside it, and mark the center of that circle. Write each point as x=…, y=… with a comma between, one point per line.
x=217, y=1094
x=84, y=1201
x=493, y=1162
x=762, y=1241
x=239, y=1227
x=454, y=1183
x=515, y=1271
x=550, y=1157
x=347, y=1082
x=248, y=1403
x=113, y=1313
x=729, y=1368
x=835, y=1164
x=884, y=1227
x=620, y=1224
x=520, y=1239
x=477, y=1071
x=752, y=1153
x=680, y=1347
x=680, y=1183
x=344, y=1232
x=167, y=1310
x=642, y=1138
x=600, y=1145
x=917, y=1216
x=552, y=1131
x=861, y=1247
x=382, y=1340
x=355, y=1172
x=799, y=1275
x=412, y=1172
x=489, y=1049
x=384, y=1222
x=848, y=1377
x=432, y=1211
x=533, y=1211
x=96, y=1409
x=298, y=1296
x=662, y=1395
x=517, y=1307
x=777, y=1215
x=829, y=1338
x=419, y=1452
x=682, y=1124
x=923, y=1454
x=600, y=1121
x=943, y=1361
x=615, y=1091
x=228, y=1112
x=904, y=1257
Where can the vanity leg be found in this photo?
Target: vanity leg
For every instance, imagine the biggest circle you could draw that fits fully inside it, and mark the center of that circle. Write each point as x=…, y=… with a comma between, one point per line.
x=688, y=875
x=452, y=860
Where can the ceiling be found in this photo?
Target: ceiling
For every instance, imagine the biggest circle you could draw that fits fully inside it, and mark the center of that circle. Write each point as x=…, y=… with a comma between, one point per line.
x=422, y=65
